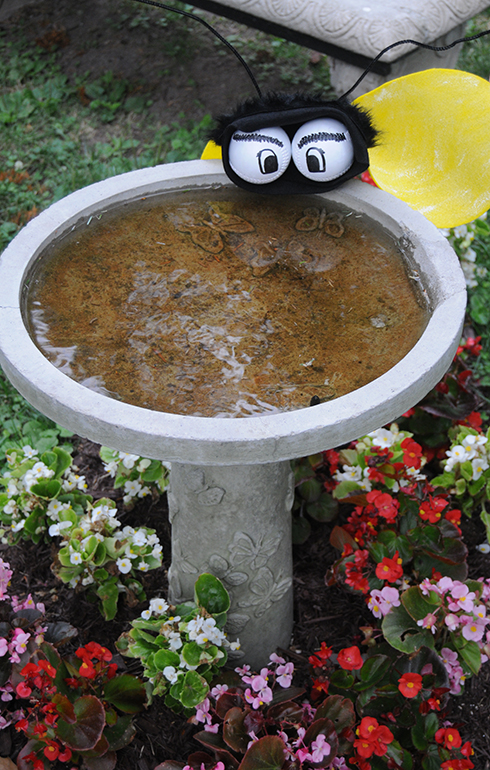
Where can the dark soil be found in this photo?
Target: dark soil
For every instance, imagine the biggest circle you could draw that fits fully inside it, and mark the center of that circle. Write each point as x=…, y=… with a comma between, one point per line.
x=186, y=72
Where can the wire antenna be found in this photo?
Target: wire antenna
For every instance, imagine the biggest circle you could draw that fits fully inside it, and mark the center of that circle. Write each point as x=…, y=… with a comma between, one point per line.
x=211, y=29
x=420, y=45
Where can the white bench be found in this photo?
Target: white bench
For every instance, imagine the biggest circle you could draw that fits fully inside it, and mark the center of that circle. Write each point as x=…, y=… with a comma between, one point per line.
x=352, y=32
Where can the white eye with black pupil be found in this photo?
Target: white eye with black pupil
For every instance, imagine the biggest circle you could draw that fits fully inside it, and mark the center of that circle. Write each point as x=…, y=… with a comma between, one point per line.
x=260, y=156
x=323, y=149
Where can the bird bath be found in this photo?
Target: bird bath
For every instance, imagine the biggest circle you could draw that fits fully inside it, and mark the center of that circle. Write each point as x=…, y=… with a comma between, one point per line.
x=231, y=487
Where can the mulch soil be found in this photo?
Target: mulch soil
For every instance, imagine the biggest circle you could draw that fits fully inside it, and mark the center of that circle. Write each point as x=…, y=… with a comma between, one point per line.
x=190, y=78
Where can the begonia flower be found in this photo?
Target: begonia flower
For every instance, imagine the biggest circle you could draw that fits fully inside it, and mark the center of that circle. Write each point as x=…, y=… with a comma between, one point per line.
x=410, y=684
x=350, y=658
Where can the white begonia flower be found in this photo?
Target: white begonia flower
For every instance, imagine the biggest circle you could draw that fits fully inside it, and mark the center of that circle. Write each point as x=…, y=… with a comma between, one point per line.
x=54, y=509
x=18, y=525
x=12, y=487
x=132, y=488
x=146, y=614
x=139, y=537
x=111, y=468
x=350, y=473
x=56, y=530
x=130, y=554
x=143, y=465
x=144, y=491
x=88, y=580
x=128, y=460
x=457, y=454
x=74, y=581
x=29, y=451
x=174, y=640
x=158, y=606
x=143, y=566
x=383, y=438
x=10, y=507
x=483, y=547
x=470, y=446
x=156, y=552
x=365, y=482
x=170, y=674
x=124, y=565
x=127, y=531
x=479, y=464
x=41, y=471
x=152, y=539
x=204, y=630
x=75, y=557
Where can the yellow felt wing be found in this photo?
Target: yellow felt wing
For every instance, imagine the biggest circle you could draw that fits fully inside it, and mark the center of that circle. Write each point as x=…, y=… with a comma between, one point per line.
x=211, y=151
x=434, y=148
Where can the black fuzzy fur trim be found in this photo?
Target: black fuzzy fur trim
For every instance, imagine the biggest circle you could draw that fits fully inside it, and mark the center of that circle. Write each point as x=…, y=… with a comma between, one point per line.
x=281, y=102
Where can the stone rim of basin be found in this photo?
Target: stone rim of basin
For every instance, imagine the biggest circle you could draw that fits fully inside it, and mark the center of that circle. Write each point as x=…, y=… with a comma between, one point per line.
x=209, y=440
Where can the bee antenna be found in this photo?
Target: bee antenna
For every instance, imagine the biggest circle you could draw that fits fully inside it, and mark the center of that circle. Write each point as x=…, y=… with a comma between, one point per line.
x=211, y=29
x=420, y=45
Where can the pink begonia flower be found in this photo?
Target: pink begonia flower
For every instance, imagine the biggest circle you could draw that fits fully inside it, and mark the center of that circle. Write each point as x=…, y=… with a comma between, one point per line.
x=485, y=595
x=426, y=587
x=462, y=598
x=219, y=690
x=254, y=738
x=211, y=728
x=276, y=659
x=381, y=602
x=258, y=700
x=285, y=674
x=449, y=657
x=444, y=585
x=452, y=622
x=301, y=734
x=243, y=671
x=472, y=629
x=375, y=603
x=5, y=575
x=430, y=621
x=3, y=646
x=202, y=712
x=18, y=645
x=320, y=748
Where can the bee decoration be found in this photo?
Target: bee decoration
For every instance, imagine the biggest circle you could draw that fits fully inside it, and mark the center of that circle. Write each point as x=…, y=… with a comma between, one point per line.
x=425, y=138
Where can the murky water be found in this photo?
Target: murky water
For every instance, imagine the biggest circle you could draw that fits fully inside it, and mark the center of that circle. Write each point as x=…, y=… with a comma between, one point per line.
x=218, y=303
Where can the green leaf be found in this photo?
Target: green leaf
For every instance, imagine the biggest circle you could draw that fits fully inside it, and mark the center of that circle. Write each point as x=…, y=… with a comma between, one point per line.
x=121, y=733
x=86, y=731
x=108, y=592
x=325, y=509
x=47, y=488
x=301, y=530
x=265, y=754
x=164, y=658
x=310, y=490
x=125, y=692
x=374, y=669
x=192, y=652
x=401, y=631
x=194, y=689
x=471, y=655
x=416, y=604
x=211, y=594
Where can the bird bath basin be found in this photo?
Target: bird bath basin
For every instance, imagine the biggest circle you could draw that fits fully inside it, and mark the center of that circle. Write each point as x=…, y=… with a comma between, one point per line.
x=231, y=487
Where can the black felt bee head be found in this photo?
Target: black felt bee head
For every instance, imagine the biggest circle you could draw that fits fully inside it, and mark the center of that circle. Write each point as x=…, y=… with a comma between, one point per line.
x=294, y=143
x=424, y=136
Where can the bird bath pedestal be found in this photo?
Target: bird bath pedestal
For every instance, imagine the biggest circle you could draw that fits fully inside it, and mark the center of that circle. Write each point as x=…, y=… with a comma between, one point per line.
x=231, y=487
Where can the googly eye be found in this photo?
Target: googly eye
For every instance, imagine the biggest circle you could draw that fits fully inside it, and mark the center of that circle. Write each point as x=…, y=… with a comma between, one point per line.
x=260, y=156
x=322, y=149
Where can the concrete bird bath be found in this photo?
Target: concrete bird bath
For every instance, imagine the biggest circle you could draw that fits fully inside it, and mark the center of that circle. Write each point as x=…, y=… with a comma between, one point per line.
x=231, y=487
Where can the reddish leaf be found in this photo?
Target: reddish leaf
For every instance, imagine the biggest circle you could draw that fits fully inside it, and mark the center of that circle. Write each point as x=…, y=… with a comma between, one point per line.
x=265, y=754
x=234, y=732
x=226, y=702
x=339, y=538
x=86, y=731
x=340, y=710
